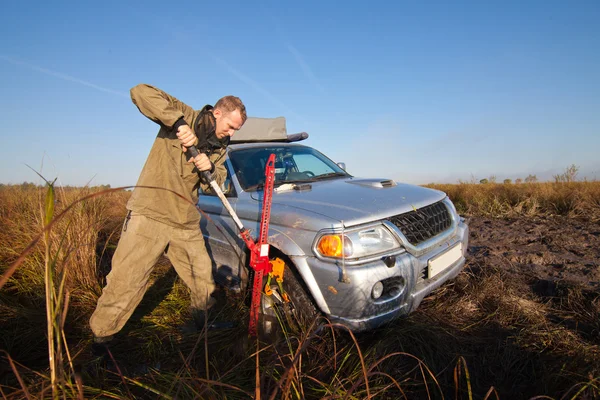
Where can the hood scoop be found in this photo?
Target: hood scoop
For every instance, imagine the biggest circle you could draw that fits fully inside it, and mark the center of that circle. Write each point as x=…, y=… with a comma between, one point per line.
x=374, y=183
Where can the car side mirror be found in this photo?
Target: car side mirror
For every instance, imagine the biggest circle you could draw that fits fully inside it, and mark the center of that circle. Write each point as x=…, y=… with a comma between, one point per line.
x=342, y=165
x=227, y=187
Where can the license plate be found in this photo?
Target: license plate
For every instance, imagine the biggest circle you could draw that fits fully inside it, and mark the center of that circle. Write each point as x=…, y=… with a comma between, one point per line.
x=444, y=260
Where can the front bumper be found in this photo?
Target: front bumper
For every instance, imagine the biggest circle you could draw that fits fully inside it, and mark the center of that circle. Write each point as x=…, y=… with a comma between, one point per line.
x=404, y=278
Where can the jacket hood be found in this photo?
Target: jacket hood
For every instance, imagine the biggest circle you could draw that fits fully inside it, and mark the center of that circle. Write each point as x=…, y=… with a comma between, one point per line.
x=352, y=200
x=204, y=128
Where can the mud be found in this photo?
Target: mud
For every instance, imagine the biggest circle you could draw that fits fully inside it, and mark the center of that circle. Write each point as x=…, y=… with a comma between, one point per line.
x=543, y=251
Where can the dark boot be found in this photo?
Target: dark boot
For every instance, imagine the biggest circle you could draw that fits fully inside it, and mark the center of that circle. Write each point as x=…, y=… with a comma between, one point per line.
x=100, y=347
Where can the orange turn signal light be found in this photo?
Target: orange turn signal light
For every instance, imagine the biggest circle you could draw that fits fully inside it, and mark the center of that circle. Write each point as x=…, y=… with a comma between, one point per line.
x=331, y=246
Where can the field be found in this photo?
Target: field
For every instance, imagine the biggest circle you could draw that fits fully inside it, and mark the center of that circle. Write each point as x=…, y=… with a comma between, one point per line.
x=521, y=321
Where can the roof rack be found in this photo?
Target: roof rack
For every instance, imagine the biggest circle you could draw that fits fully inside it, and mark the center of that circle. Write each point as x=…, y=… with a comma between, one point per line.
x=265, y=130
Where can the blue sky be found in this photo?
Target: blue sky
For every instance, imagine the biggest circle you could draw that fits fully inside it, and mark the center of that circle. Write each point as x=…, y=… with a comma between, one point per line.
x=431, y=91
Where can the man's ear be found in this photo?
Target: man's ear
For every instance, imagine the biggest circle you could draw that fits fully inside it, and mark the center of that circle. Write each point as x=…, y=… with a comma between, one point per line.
x=217, y=113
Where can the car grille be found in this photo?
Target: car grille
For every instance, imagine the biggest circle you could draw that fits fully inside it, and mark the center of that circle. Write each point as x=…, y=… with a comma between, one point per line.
x=424, y=223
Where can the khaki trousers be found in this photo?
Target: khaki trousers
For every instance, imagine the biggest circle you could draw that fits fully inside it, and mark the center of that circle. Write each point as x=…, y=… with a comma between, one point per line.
x=142, y=242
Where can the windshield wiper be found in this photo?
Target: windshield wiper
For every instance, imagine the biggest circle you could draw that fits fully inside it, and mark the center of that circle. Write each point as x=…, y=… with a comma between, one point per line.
x=254, y=187
x=329, y=175
x=307, y=180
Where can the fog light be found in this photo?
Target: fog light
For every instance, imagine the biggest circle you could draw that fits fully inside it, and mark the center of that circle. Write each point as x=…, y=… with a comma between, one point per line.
x=377, y=290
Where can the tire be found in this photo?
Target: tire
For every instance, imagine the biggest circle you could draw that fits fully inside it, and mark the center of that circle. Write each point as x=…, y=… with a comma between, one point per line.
x=278, y=318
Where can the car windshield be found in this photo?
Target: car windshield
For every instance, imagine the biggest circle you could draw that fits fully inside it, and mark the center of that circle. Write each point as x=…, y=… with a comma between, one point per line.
x=293, y=164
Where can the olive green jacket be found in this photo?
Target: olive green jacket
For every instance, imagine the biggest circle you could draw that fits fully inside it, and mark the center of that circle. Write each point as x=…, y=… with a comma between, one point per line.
x=167, y=166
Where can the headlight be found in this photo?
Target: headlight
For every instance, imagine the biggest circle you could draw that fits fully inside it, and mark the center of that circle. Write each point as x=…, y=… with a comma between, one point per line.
x=358, y=243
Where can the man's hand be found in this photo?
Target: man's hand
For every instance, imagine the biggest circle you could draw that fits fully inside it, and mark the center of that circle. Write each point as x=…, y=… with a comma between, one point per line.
x=186, y=137
x=201, y=162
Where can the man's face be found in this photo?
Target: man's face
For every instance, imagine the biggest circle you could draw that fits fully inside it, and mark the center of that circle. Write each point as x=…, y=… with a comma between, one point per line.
x=227, y=123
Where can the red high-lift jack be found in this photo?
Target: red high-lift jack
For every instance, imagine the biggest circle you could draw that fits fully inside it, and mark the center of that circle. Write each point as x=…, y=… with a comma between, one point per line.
x=259, y=251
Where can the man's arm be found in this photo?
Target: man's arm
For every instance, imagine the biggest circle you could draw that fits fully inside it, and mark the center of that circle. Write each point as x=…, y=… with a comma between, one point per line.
x=218, y=160
x=161, y=107
x=168, y=111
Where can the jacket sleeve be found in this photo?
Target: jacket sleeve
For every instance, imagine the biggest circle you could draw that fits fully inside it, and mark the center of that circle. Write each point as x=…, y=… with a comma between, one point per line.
x=159, y=106
x=220, y=172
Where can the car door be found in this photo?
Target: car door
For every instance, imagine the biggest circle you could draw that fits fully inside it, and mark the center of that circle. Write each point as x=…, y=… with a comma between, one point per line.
x=221, y=235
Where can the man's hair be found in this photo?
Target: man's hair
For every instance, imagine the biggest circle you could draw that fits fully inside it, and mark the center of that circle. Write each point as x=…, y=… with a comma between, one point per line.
x=229, y=104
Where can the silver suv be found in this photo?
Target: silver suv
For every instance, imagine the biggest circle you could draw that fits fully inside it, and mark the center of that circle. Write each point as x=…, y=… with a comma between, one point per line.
x=361, y=252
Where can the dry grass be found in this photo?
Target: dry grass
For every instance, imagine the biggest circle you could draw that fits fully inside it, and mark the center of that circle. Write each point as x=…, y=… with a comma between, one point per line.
x=87, y=226
x=485, y=335
x=525, y=199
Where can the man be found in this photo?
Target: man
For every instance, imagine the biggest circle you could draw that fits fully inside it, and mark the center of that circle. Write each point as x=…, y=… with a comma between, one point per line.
x=158, y=220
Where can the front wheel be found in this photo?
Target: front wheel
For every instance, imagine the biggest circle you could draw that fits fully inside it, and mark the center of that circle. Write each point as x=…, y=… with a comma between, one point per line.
x=278, y=316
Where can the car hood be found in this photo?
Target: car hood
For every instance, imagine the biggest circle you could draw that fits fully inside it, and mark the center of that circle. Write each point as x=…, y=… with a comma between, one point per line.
x=353, y=200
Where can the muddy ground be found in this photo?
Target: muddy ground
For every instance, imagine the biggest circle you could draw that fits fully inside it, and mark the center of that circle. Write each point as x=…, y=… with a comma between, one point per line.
x=525, y=311
x=543, y=251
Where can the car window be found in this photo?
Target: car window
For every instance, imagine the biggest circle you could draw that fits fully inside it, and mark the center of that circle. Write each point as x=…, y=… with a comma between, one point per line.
x=307, y=162
x=292, y=164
